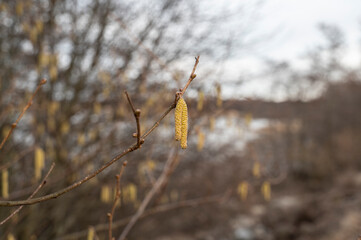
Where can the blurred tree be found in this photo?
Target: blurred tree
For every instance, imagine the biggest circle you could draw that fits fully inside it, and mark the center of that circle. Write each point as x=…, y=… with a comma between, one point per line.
x=90, y=51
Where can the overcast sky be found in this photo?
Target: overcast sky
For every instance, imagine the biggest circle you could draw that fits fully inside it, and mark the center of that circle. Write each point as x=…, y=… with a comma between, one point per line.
x=294, y=23
x=298, y=21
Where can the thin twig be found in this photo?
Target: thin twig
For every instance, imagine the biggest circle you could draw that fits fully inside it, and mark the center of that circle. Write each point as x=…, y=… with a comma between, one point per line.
x=117, y=197
x=43, y=182
x=148, y=50
x=159, y=209
x=131, y=148
x=13, y=126
x=163, y=178
x=192, y=76
x=136, y=113
x=22, y=154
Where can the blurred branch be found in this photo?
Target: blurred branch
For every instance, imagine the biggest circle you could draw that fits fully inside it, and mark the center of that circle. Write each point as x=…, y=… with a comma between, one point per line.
x=13, y=126
x=18, y=157
x=191, y=77
x=43, y=182
x=163, y=178
x=163, y=208
x=117, y=197
x=136, y=113
x=148, y=50
x=131, y=148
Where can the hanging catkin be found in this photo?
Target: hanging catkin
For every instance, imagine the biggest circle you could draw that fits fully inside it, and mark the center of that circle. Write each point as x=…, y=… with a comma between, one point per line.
x=178, y=118
x=200, y=100
x=243, y=190
x=5, y=183
x=219, y=95
x=181, y=122
x=256, y=170
x=184, y=127
x=201, y=138
x=39, y=162
x=91, y=233
x=266, y=190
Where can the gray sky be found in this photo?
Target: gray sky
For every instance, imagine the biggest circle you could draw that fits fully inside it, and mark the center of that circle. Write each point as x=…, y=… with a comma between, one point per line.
x=298, y=20
x=295, y=26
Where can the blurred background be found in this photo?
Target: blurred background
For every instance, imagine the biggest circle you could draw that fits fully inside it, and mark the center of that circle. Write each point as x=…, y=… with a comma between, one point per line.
x=274, y=117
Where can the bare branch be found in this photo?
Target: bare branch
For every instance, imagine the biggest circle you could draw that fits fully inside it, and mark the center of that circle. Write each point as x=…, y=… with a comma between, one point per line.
x=136, y=113
x=163, y=178
x=192, y=76
x=43, y=182
x=160, y=209
x=148, y=50
x=13, y=126
x=117, y=197
x=131, y=148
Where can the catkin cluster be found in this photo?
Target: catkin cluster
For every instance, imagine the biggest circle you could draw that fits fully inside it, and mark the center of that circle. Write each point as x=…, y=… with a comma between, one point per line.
x=181, y=122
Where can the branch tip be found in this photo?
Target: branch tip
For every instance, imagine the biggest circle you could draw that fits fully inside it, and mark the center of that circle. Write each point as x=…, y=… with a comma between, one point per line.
x=43, y=81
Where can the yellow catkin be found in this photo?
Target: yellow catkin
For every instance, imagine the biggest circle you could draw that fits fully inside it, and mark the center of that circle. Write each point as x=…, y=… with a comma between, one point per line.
x=53, y=72
x=6, y=131
x=106, y=92
x=219, y=95
x=256, y=170
x=266, y=190
x=243, y=190
x=97, y=108
x=81, y=139
x=3, y=7
x=53, y=108
x=64, y=128
x=11, y=237
x=19, y=8
x=248, y=119
x=120, y=111
x=201, y=139
x=91, y=233
x=43, y=58
x=132, y=190
x=50, y=152
x=5, y=183
x=212, y=123
x=92, y=134
x=105, y=194
x=151, y=164
x=130, y=193
x=39, y=160
x=39, y=25
x=178, y=118
x=184, y=128
x=200, y=100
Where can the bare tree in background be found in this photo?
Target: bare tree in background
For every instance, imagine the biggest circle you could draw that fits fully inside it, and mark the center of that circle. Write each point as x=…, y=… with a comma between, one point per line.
x=90, y=52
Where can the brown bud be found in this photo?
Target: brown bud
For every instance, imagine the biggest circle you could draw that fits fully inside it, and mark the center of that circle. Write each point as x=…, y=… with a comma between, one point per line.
x=43, y=81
